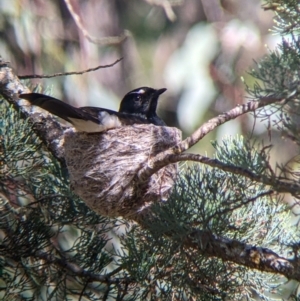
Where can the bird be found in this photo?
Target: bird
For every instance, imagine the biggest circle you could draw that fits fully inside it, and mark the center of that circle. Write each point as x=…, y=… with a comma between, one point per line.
x=137, y=107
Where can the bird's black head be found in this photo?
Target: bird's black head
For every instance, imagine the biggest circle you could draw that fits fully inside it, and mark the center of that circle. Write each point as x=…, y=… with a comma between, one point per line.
x=140, y=101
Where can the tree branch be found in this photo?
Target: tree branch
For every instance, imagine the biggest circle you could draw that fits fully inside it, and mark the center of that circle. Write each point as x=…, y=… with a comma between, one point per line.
x=77, y=271
x=102, y=41
x=277, y=185
x=167, y=6
x=226, y=249
x=47, y=128
x=69, y=73
x=166, y=157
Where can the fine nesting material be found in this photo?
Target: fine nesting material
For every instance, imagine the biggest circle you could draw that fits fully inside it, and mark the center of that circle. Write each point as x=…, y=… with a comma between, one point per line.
x=103, y=168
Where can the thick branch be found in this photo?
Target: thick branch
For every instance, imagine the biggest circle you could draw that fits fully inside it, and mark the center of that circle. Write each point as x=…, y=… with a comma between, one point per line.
x=166, y=157
x=226, y=249
x=46, y=127
x=208, y=244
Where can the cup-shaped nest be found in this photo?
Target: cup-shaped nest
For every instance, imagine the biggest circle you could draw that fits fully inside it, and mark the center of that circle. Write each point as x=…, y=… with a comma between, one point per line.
x=104, y=168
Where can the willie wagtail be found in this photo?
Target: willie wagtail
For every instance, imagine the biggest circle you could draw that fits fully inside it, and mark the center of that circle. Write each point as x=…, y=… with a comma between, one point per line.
x=137, y=106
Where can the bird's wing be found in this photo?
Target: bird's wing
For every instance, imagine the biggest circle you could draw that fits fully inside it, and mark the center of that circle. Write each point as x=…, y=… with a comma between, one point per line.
x=54, y=106
x=124, y=118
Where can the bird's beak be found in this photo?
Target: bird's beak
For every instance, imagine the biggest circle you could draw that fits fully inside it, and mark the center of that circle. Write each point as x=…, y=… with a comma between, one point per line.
x=160, y=91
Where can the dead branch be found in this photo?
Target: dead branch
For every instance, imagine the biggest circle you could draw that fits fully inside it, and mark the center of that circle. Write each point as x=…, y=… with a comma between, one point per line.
x=167, y=6
x=69, y=73
x=102, y=41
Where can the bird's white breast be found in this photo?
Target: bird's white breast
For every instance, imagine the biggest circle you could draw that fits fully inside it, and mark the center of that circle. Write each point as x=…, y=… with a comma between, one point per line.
x=109, y=121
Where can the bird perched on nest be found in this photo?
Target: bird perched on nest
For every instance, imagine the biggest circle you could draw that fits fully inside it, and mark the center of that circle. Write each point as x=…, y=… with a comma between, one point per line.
x=137, y=107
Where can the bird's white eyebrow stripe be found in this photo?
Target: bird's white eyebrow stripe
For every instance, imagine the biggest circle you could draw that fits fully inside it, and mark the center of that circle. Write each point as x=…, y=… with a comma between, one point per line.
x=141, y=91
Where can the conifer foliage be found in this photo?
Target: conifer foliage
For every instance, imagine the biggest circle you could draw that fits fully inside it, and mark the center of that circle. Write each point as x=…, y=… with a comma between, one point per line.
x=229, y=230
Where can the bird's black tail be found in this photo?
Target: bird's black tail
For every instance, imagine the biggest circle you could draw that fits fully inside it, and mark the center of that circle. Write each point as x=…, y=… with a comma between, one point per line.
x=54, y=106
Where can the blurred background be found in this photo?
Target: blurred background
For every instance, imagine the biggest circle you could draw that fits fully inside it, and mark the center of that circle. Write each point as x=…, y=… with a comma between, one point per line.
x=197, y=49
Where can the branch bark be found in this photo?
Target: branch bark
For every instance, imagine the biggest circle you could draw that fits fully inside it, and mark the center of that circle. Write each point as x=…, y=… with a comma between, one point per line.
x=287, y=186
x=208, y=244
x=226, y=249
x=48, y=129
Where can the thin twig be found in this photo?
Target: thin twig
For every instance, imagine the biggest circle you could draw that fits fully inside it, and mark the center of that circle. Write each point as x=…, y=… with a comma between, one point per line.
x=78, y=271
x=238, y=205
x=102, y=41
x=83, y=289
x=70, y=73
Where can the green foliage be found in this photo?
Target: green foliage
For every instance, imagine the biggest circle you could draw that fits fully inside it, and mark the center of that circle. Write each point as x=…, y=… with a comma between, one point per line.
x=48, y=220
x=277, y=76
x=52, y=247
x=43, y=217
x=241, y=153
x=287, y=15
x=277, y=73
x=207, y=199
x=224, y=204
